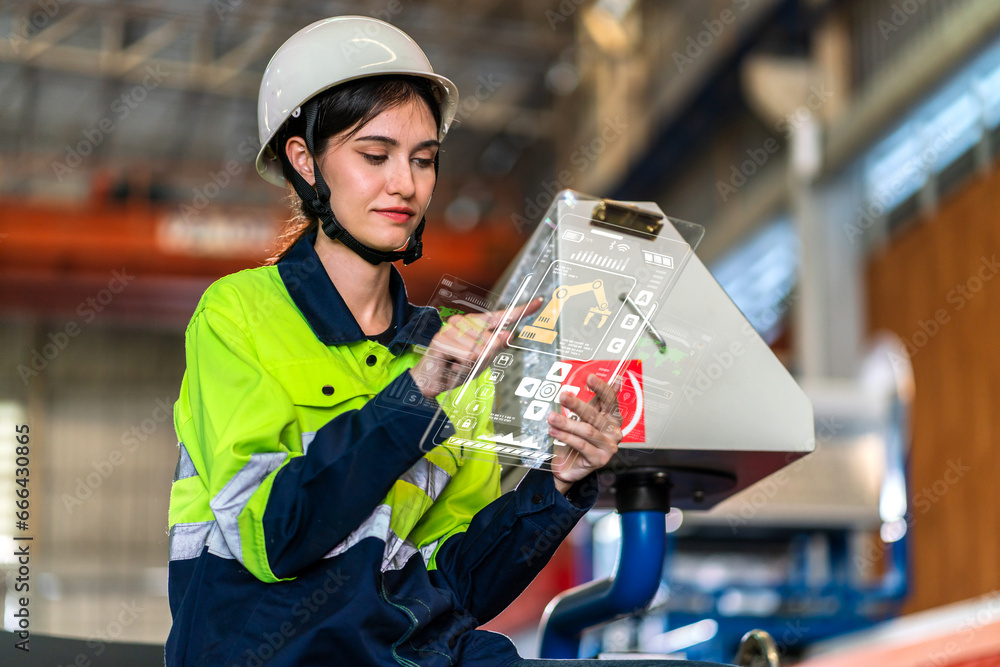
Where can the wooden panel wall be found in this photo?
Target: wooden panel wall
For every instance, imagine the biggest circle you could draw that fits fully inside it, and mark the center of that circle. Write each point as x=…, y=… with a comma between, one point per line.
x=937, y=285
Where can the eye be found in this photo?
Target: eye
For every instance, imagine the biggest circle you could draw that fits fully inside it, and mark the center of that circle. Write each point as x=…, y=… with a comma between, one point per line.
x=375, y=159
x=423, y=163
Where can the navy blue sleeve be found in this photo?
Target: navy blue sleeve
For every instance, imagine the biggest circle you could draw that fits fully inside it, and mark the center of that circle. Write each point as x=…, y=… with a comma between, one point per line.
x=509, y=541
x=318, y=499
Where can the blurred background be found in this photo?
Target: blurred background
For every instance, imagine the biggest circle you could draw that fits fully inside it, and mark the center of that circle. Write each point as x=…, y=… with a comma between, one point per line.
x=841, y=154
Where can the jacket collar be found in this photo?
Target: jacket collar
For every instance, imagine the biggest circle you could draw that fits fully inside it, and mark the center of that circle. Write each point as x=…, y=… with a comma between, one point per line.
x=329, y=317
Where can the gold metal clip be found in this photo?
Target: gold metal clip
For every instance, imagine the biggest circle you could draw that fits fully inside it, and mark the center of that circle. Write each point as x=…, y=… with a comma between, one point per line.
x=627, y=218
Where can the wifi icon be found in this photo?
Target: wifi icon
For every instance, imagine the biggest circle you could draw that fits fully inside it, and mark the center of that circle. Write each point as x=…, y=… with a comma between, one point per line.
x=624, y=246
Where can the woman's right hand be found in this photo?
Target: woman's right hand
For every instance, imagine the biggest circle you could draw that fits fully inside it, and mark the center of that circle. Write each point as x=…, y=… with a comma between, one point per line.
x=454, y=350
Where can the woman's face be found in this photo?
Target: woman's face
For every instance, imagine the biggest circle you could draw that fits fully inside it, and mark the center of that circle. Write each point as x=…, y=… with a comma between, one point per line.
x=381, y=178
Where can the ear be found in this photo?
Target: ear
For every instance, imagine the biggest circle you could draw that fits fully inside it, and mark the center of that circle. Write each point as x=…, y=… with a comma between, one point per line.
x=300, y=158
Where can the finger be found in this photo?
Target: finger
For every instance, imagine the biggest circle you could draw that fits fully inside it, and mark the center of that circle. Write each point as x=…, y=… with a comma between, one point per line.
x=531, y=307
x=588, y=412
x=606, y=394
x=495, y=345
x=607, y=424
x=453, y=338
x=466, y=324
x=467, y=329
x=456, y=352
x=594, y=454
x=473, y=328
x=583, y=410
x=597, y=434
x=496, y=318
x=452, y=346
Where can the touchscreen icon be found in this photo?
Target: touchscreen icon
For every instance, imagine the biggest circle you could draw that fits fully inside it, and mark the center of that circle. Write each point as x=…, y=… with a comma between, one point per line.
x=559, y=371
x=548, y=391
x=527, y=388
x=536, y=410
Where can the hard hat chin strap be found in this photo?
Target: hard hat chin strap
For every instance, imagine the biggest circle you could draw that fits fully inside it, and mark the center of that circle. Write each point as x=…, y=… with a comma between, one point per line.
x=317, y=202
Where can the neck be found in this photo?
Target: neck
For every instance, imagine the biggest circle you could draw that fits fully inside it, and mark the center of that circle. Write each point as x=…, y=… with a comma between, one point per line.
x=363, y=286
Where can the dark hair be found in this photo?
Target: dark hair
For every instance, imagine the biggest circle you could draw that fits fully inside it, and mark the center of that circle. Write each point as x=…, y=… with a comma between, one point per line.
x=344, y=108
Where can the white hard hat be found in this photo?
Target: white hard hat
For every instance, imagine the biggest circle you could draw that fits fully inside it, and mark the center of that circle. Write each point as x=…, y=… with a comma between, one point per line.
x=330, y=52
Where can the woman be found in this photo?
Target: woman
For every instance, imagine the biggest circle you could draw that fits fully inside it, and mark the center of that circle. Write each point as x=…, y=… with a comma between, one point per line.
x=307, y=526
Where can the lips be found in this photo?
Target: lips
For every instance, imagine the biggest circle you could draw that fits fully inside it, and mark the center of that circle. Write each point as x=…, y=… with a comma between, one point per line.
x=396, y=213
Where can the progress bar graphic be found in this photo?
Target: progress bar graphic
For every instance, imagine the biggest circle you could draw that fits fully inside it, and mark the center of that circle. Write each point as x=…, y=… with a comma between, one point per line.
x=596, y=259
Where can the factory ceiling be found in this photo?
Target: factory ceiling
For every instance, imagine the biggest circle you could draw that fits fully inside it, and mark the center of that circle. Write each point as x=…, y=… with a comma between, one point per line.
x=167, y=90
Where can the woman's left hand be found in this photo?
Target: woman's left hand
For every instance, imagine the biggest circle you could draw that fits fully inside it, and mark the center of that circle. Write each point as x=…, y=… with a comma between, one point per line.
x=591, y=441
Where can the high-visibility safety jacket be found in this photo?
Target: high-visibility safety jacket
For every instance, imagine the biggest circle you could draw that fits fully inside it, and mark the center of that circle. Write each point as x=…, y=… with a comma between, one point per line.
x=307, y=525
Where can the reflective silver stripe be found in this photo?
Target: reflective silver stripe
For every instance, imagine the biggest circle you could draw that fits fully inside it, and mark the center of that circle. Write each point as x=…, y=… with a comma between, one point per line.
x=428, y=550
x=217, y=544
x=396, y=551
x=427, y=476
x=188, y=539
x=307, y=439
x=185, y=466
x=393, y=544
x=397, y=560
x=376, y=525
x=230, y=501
x=406, y=551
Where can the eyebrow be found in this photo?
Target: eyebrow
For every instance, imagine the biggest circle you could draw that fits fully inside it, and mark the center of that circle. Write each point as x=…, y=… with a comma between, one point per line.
x=394, y=143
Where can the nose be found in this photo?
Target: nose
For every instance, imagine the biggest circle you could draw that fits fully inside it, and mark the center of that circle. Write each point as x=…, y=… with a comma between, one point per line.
x=400, y=179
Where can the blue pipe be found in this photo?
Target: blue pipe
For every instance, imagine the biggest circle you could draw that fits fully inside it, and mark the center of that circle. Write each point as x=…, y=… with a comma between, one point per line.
x=630, y=589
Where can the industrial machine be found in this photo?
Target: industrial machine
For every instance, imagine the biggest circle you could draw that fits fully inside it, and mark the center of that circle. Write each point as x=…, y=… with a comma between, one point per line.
x=821, y=548
x=707, y=409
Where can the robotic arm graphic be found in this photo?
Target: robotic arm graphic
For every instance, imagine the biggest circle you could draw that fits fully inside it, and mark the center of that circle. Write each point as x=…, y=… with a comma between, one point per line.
x=543, y=328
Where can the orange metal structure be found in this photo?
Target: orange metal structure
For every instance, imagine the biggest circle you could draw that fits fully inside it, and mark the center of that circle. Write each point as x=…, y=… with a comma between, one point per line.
x=54, y=257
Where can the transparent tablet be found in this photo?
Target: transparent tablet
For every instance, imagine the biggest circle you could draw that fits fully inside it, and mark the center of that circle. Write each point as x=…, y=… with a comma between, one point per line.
x=601, y=270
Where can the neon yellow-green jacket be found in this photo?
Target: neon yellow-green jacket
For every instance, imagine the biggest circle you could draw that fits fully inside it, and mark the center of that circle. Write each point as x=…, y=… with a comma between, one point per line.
x=291, y=479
